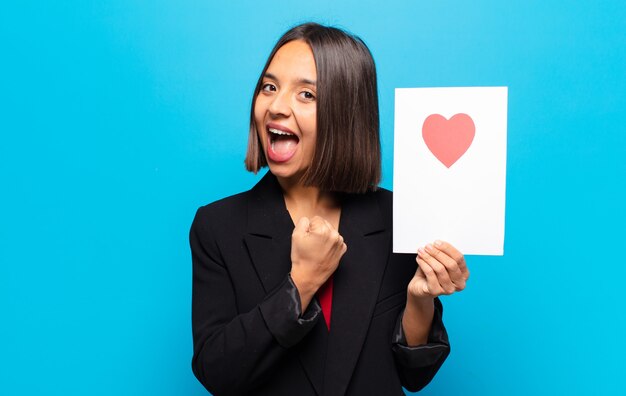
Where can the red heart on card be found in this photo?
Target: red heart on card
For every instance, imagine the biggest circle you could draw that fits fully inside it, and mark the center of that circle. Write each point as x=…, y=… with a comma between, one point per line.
x=449, y=139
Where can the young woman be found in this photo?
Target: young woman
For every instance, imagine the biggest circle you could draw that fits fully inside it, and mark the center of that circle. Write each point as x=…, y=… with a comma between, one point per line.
x=295, y=288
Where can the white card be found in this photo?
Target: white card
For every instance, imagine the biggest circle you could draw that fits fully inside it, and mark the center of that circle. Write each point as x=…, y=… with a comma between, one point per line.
x=449, y=175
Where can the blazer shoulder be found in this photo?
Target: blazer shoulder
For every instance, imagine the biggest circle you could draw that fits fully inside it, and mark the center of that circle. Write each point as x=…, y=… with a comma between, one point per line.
x=224, y=208
x=383, y=195
x=228, y=213
x=384, y=198
x=373, y=208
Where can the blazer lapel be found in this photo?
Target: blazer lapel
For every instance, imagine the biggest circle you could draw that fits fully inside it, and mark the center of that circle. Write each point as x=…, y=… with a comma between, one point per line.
x=268, y=240
x=356, y=284
x=269, y=232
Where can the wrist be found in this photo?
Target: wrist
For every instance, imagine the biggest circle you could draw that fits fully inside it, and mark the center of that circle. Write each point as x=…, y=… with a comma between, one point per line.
x=420, y=304
x=306, y=289
x=303, y=284
x=418, y=299
x=417, y=319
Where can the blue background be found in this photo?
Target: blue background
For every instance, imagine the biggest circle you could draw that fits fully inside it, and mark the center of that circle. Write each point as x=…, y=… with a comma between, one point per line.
x=118, y=119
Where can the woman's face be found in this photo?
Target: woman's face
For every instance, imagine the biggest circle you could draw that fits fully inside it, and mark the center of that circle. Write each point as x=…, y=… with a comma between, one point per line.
x=285, y=111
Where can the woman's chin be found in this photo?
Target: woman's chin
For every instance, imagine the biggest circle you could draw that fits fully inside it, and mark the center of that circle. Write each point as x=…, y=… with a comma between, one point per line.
x=282, y=172
x=287, y=174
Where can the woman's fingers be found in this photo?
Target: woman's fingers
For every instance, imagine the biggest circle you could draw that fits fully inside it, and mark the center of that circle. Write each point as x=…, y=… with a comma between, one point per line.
x=333, y=234
x=318, y=225
x=327, y=234
x=440, y=270
x=455, y=273
x=457, y=256
x=432, y=281
x=448, y=263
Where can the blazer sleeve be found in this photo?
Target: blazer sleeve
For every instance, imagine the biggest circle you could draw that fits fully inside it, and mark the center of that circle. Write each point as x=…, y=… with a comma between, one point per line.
x=417, y=365
x=235, y=352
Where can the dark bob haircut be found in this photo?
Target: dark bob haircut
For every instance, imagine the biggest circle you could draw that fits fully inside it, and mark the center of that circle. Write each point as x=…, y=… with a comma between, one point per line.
x=347, y=150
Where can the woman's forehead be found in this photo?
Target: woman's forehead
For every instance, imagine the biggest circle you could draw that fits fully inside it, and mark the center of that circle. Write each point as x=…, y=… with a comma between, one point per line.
x=294, y=61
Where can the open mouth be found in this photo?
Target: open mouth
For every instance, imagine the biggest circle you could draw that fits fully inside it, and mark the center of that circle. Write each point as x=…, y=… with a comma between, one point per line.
x=282, y=144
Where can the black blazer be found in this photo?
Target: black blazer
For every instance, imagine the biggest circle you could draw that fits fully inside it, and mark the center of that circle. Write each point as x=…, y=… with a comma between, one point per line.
x=250, y=336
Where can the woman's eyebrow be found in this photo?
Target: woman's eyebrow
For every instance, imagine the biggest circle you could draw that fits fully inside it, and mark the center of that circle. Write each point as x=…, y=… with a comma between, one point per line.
x=300, y=80
x=306, y=81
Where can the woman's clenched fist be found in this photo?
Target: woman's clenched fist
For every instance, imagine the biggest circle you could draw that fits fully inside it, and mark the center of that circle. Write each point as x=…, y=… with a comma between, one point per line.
x=316, y=248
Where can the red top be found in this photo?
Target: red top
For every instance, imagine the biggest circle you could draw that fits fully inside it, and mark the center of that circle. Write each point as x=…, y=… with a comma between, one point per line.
x=325, y=296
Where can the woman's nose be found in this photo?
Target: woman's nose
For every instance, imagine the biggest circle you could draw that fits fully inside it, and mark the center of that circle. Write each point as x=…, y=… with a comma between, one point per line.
x=280, y=105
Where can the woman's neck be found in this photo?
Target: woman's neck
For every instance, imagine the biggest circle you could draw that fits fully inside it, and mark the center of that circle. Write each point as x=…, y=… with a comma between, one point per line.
x=307, y=201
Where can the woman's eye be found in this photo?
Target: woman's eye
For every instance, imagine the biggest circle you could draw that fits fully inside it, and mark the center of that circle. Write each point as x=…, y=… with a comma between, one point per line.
x=268, y=87
x=307, y=95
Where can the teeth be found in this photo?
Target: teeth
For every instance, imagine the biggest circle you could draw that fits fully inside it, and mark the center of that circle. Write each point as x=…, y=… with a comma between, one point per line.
x=279, y=132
